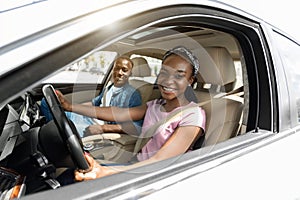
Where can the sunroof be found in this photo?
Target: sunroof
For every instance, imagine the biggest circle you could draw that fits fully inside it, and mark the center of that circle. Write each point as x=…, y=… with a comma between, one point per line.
x=157, y=32
x=149, y=32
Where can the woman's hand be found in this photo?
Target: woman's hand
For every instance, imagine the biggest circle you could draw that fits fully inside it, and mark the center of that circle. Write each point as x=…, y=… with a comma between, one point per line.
x=96, y=171
x=63, y=101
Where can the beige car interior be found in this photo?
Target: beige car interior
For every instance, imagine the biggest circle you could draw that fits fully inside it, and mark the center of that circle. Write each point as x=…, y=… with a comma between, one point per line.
x=215, y=87
x=140, y=70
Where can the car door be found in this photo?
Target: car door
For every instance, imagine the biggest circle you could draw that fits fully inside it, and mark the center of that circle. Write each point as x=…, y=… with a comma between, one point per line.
x=197, y=27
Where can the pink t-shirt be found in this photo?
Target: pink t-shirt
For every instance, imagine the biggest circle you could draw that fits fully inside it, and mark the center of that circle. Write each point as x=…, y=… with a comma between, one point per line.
x=194, y=117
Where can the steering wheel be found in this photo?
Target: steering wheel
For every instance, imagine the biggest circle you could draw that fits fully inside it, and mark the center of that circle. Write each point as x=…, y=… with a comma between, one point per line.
x=68, y=134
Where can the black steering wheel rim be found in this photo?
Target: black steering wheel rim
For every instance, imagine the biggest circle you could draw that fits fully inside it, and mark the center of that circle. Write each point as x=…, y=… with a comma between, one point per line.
x=68, y=134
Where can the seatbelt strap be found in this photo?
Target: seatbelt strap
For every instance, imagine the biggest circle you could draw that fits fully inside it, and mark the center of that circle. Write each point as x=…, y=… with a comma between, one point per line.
x=104, y=96
x=141, y=141
x=233, y=92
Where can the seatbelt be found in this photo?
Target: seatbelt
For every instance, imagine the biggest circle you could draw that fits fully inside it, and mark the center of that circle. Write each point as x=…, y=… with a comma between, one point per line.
x=141, y=141
x=104, y=104
x=233, y=92
x=105, y=94
x=222, y=95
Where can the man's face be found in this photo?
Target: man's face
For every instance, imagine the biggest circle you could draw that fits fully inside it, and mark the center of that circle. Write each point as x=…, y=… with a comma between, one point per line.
x=121, y=72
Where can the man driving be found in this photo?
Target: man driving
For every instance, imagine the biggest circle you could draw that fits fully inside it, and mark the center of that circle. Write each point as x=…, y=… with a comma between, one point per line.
x=120, y=93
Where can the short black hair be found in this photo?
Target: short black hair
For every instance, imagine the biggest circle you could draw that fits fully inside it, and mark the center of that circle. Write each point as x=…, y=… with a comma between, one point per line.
x=126, y=58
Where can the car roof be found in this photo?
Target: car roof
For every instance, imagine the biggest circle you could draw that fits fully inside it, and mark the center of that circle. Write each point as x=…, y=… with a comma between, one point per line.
x=27, y=20
x=39, y=16
x=40, y=19
x=29, y=17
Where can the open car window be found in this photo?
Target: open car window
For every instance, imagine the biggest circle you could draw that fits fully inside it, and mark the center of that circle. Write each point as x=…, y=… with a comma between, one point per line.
x=232, y=86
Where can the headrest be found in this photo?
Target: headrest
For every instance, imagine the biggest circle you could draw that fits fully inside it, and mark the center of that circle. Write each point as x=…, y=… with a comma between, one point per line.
x=140, y=67
x=216, y=68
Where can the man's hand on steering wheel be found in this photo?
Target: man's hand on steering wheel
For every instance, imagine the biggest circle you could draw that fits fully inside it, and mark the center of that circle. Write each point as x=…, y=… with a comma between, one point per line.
x=63, y=101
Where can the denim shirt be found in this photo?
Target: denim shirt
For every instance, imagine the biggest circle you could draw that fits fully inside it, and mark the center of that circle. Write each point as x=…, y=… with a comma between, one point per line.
x=127, y=97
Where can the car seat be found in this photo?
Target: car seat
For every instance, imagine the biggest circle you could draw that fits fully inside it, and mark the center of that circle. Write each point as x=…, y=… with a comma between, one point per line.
x=215, y=85
x=141, y=70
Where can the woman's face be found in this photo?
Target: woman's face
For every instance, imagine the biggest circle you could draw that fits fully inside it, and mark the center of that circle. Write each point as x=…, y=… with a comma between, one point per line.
x=174, y=77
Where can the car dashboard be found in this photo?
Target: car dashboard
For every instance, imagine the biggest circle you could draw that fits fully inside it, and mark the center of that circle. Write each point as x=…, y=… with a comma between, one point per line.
x=12, y=184
x=24, y=168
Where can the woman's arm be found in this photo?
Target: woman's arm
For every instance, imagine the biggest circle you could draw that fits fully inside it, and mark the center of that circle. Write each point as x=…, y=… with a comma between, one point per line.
x=89, y=103
x=104, y=113
x=177, y=144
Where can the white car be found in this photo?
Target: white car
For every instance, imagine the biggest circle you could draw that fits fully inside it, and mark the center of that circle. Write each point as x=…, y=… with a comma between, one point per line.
x=248, y=85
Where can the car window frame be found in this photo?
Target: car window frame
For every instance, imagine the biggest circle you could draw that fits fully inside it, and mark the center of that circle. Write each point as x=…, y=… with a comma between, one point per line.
x=118, y=184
